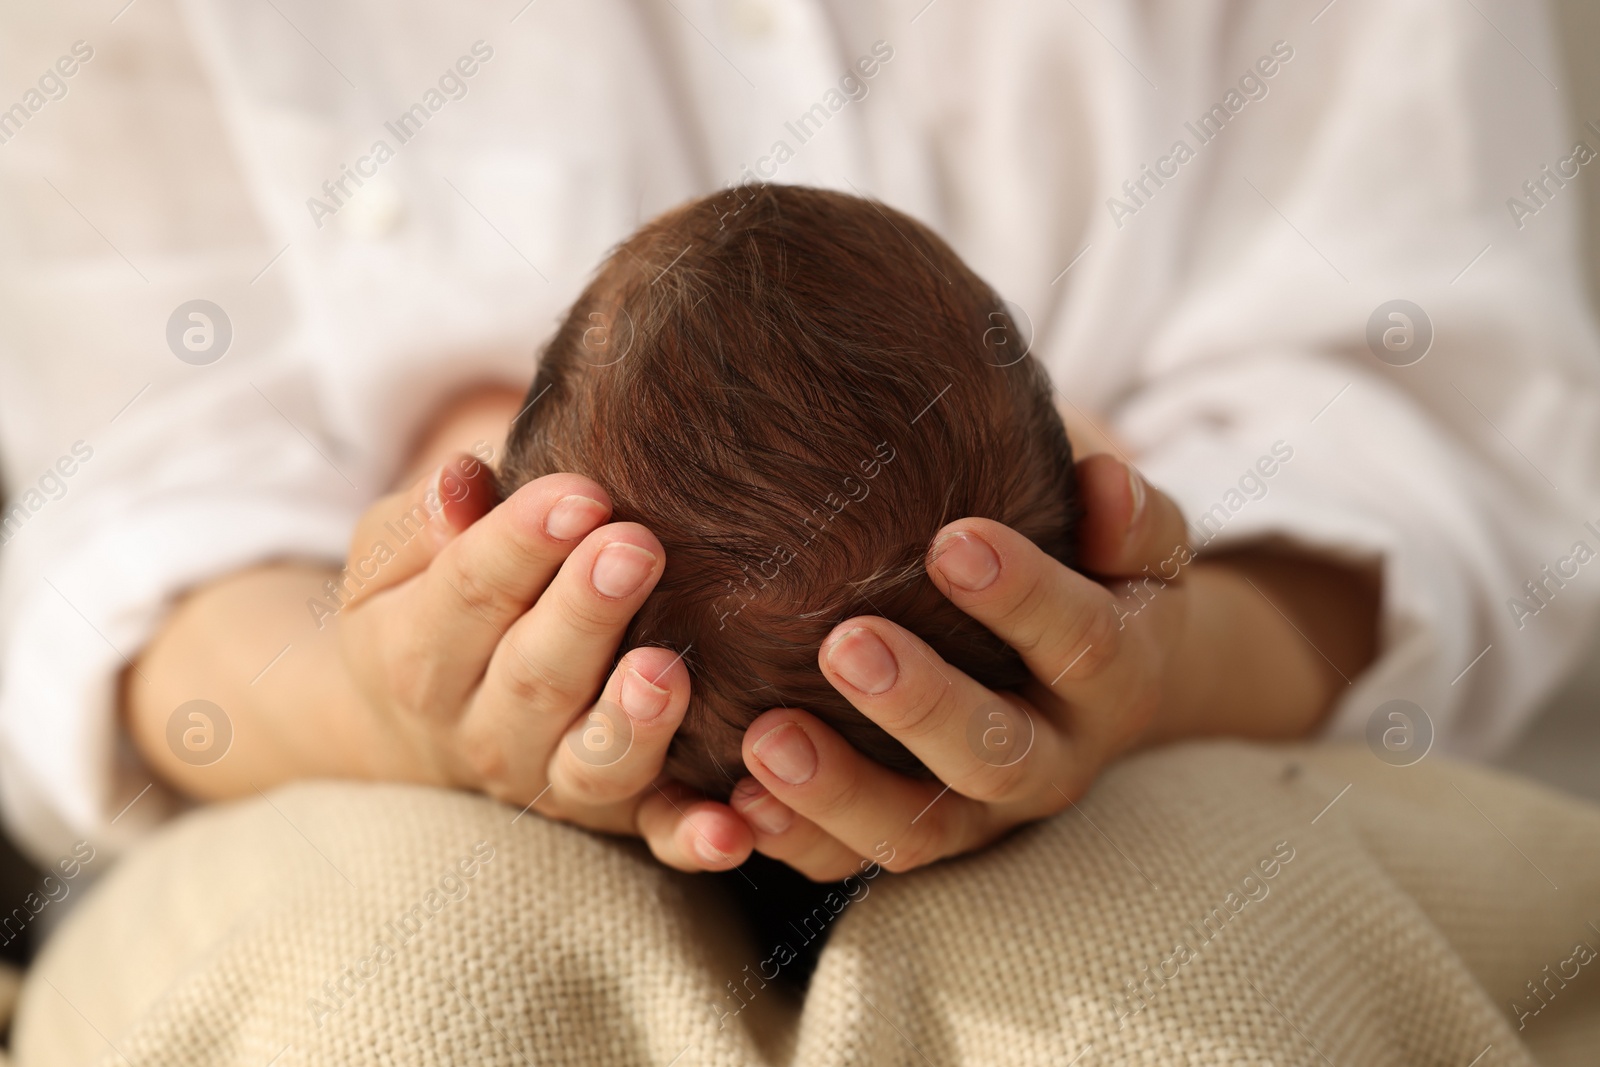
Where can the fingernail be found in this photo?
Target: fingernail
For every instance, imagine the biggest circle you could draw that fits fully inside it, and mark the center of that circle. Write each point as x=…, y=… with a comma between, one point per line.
x=1136, y=487
x=620, y=569
x=760, y=808
x=573, y=516
x=861, y=658
x=640, y=699
x=708, y=853
x=788, y=753
x=967, y=561
x=770, y=816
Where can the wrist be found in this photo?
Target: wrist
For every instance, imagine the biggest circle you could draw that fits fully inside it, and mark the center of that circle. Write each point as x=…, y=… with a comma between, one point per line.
x=1268, y=643
x=302, y=716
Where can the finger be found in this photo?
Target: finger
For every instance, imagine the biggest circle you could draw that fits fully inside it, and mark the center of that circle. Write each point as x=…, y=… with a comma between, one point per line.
x=868, y=808
x=550, y=663
x=400, y=534
x=1068, y=628
x=617, y=749
x=789, y=838
x=690, y=833
x=984, y=746
x=1127, y=525
x=482, y=581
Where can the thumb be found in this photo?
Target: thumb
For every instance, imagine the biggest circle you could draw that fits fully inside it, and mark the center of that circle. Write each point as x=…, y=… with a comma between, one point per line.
x=437, y=507
x=1127, y=524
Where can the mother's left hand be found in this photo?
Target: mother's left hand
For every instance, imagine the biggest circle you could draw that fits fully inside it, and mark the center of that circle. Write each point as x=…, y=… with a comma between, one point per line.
x=1255, y=642
x=1100, y=662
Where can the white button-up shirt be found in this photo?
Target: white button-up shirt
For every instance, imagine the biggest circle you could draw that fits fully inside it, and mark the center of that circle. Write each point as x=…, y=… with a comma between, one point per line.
x=1203, y=209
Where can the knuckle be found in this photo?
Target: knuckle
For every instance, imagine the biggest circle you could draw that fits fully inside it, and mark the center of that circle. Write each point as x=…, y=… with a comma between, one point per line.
x=1091, y=642
x=994, y=785
x=530, y=678
x=589, y=616
x=931, y=838
x=921, y=846
x=521, y=679
x=1028, y=611
x=918, y=712
x=843, y=800
x=583, y=785
x=486, y=759
x=482, y=595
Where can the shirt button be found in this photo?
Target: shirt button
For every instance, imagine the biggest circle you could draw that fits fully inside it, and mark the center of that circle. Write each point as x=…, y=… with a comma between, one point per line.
x=374, y=212
x=750, y=18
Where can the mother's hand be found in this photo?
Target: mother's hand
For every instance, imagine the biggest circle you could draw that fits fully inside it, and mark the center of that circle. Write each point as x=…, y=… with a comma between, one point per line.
x=484, y=640
x=1245, y=645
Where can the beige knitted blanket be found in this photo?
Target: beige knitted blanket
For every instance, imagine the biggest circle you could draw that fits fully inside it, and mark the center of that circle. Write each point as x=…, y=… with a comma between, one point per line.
x=1207, y=904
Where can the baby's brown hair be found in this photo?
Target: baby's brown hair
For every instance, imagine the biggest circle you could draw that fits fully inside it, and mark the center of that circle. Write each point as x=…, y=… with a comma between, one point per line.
x=794, y=389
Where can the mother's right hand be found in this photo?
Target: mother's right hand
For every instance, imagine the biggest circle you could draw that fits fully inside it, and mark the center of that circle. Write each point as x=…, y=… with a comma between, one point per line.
x=482, y=634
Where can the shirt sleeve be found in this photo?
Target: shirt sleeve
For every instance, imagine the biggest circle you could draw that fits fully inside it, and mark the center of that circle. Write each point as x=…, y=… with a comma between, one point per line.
x=203, y=152
x=187, y=486
x=1380, y=349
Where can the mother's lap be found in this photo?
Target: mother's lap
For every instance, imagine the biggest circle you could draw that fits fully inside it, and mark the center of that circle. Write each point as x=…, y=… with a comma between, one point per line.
x=1189, y=903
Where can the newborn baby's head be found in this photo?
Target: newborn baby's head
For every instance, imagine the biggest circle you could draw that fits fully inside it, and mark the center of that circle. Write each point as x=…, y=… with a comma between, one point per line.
x=794, y=389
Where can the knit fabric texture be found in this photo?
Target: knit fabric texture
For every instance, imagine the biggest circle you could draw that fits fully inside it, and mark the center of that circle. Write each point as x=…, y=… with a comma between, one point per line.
x=1206, y=904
